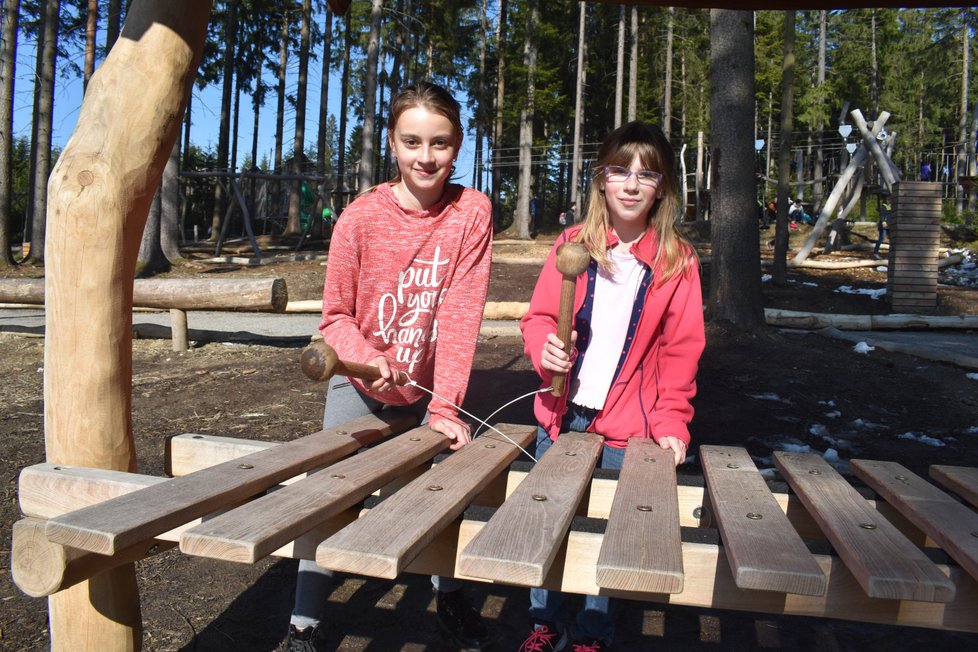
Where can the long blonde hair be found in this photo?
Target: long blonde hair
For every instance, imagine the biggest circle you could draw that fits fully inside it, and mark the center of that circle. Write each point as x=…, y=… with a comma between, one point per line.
x=674, y=254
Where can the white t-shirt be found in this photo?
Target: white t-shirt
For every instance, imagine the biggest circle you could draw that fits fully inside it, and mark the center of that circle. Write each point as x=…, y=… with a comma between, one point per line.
x=614, y=297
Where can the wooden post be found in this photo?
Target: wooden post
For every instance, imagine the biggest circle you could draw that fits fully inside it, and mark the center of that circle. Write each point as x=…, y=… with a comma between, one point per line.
x=98, y=198
x=179, y=337
x=915, y=237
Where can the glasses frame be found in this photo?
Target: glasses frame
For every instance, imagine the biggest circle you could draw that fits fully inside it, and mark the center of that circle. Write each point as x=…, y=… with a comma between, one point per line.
x=618, y=170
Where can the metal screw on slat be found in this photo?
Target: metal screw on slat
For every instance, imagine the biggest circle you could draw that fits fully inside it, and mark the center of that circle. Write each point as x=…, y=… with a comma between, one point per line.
x=338, y=476
x=415, y=439
x=58, y=468
x=815, y=472
x=570, y=454
x=340, y=432
x=697, y=513
x=867, y=526
x=490, y=445
x=539, y=498
x=644, y=508
x=434, y=487
x=197, y=437
x=246, y=466
x=733, y=466
x=754, y=516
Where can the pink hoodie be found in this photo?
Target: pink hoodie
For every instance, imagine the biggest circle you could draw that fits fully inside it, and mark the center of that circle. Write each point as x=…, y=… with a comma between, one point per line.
x=410, y=285
x=650, y=396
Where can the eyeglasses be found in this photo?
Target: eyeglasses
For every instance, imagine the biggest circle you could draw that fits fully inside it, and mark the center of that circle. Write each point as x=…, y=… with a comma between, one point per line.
x=618, y=174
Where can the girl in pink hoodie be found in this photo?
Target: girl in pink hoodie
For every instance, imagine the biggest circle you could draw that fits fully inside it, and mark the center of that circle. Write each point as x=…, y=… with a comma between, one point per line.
x=636, y=341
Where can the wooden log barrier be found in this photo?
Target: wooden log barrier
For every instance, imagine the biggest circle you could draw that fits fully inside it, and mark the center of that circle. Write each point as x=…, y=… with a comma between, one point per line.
x=178, y=295
x=711, y=569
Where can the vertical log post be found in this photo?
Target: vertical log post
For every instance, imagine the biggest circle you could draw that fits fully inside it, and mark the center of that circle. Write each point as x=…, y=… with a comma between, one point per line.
x=98, y=198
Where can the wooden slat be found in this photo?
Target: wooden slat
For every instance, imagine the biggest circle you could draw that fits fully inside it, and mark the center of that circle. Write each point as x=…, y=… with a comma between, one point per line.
x=252, y=531
x=765, y=552
x=519, y=543
x=884, y=562
x=642, y=546
x=961, y=480
x=385, y=540
x=126, y=520
x=945, y=520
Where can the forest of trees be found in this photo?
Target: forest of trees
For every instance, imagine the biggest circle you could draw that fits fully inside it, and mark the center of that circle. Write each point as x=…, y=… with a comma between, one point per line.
x=542, y=83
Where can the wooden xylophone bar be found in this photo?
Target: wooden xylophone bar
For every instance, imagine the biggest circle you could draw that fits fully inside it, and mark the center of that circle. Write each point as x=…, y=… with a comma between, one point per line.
x=762, y=565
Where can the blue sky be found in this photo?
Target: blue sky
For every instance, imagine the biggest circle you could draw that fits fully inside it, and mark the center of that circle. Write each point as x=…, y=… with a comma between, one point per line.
x=206, y=109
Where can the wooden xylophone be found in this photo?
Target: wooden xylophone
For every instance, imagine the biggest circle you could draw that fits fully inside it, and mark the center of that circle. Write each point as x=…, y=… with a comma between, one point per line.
x=377, y=506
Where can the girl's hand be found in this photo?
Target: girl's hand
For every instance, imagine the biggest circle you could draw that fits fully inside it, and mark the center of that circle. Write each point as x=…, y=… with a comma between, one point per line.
x=553, y=358
x=386, y=382
x=676, y=445
x=453, y=430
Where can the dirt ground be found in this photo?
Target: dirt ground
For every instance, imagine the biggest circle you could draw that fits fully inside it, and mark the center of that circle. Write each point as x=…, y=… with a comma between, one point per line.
x=756, y=391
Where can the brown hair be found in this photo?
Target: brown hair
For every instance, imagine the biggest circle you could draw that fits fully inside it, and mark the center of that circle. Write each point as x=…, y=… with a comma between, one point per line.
x=430, y=97
x=674, y=254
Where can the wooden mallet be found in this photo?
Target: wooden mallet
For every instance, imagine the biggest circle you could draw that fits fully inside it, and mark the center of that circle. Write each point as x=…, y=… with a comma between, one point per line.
x=572, y=261
x=320, y=362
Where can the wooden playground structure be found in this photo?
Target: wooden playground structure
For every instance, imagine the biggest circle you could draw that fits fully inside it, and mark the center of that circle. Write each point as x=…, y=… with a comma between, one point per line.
x=88, y=515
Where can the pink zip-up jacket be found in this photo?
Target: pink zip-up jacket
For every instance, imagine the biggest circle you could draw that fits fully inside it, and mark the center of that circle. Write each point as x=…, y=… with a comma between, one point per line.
x=650, y=396
x=410, y=285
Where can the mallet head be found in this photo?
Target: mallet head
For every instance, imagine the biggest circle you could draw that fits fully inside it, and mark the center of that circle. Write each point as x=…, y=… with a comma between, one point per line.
x=318, y=361
x=572, y=259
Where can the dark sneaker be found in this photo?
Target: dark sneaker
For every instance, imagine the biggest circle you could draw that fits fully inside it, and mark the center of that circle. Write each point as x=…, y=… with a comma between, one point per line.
x=461, y=623
x=544, y=637
x=303, y=640
x=594, y=646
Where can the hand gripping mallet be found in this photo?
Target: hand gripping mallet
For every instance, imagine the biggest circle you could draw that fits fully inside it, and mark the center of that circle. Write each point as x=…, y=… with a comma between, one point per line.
x=320, y=362
x=572, y=261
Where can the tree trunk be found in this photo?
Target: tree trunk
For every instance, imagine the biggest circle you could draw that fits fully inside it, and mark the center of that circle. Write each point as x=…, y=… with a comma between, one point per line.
x=962, y=163
x=522, y=219
x=820, y=124
x=8, y=63
x=234, y=124
x=283, y=63
x=257, y=99
x=579, y=111
x=480, y=112
x=100, y=192
x=44, y=119
x=113, y=19
x=667, y=94
x=170, y=224
x=225, y=125
x=366, y=177
x=150, y=259
x=91, y=29
x=344, y=96
x=735, y=285
x=620, y=67
x=294, y=225
x=633, y=69
x=780, y=269
x=497, y=134
x=324, y=94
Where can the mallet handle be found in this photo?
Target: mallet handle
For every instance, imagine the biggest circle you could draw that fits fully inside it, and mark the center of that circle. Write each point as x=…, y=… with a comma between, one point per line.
x=564, y=317
x=319, y=362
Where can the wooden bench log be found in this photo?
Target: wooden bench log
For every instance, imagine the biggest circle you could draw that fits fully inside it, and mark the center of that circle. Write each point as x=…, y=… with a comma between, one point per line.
x=178, y=295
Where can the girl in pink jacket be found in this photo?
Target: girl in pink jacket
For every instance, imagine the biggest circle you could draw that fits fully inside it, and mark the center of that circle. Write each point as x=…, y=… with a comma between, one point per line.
x=636, y=341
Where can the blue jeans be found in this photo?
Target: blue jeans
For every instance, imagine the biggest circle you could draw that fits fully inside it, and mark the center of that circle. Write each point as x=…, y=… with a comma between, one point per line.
x=345, y=403
x=596, y=620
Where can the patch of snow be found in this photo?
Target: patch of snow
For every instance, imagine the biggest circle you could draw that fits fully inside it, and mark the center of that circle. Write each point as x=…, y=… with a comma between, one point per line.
x=769, y=473
x=818, y=430
x=972, y=376
x=873, y=294
x=831, y=456
x=862, y=424
x=765, y=278
x=829, y=403
x=921, y=438
x=795, y=448
x=834, y=414
x=862, y=347
x=767, y=396
x=973, y=430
